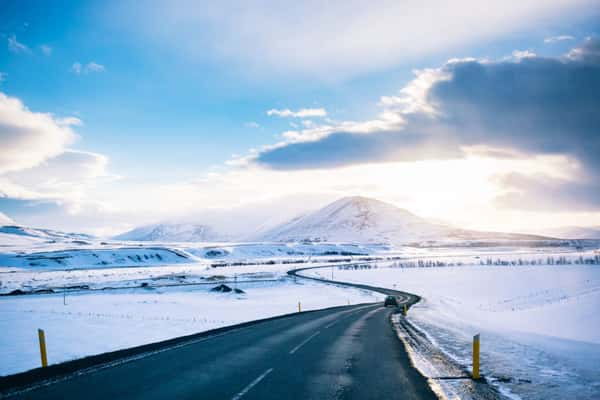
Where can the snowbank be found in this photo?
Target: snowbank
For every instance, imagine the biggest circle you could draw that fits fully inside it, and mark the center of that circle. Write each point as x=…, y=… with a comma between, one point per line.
x=95, y=258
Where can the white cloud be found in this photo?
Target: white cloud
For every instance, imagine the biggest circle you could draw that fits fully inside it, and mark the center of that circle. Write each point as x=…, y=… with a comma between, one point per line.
x=28, y=138
x=46, y=50
x=520, y=54
x=301, y=113
x=65, y=177
x=339, y=40
x=92, y=66
x=76, y=68
x=15, y=46
x=69, y=121
x=252, y=124
x=560, y=38
x=36, y=163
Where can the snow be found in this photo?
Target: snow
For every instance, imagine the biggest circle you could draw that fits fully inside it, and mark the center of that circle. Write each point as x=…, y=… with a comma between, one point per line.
x=357, y=219
x=347, y=220
x=97, y=322
x=283, y=250
x=99, y=258
x=173, y=232
x=539, y=324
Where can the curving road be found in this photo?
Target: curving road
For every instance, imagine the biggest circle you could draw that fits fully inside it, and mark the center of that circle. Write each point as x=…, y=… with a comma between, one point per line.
x=339, y=353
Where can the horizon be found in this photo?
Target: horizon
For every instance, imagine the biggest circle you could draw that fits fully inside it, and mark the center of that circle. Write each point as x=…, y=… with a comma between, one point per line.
x=122, y=116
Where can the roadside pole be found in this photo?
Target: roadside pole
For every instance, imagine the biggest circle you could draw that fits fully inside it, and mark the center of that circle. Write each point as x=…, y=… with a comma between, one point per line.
x=42, y=340
x=476, y=357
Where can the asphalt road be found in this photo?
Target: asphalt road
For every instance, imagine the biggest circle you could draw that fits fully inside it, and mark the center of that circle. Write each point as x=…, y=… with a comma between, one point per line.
x=341, y=353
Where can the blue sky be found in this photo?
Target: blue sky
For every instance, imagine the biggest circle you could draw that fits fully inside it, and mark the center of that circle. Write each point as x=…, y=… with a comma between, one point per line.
x=167, y=94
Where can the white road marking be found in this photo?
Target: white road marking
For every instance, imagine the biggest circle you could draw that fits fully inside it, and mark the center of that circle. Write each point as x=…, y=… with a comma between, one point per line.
x=349, y=314
x=295, y=349
x=333, y=323
x=252, y=384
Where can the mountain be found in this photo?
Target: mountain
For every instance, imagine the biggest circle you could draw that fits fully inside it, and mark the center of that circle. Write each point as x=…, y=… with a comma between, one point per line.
x=350, y=219
x=172, y=232
x=365, y=220
x=357, y=219
x=576, y=232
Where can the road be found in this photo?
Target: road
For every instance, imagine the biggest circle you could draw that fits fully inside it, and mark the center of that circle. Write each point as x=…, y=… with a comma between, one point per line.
x=339, y=353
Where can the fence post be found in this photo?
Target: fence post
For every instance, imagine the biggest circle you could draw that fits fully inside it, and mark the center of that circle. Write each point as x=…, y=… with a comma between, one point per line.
x=404, y=310
x=42, y=339
x=476, y=357
x=299, y=307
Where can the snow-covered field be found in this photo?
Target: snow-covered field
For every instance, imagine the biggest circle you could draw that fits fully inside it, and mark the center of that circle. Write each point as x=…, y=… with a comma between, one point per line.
x=539, y=324
x=96, y=322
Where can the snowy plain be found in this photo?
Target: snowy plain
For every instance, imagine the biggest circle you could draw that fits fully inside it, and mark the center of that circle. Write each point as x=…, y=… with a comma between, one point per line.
x=539, y=324
x=97, y=322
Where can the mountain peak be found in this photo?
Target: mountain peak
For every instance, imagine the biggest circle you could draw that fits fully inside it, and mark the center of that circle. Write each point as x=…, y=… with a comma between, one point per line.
x=356, y=219
x=177, y=232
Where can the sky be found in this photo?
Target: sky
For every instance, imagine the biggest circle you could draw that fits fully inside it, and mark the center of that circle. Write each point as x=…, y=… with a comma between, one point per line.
x=115, y=114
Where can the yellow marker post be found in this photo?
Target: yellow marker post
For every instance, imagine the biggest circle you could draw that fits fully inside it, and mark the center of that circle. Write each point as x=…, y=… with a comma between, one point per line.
x=299, y=307
x=404, y=310
x=43, y=355
x=476, y=357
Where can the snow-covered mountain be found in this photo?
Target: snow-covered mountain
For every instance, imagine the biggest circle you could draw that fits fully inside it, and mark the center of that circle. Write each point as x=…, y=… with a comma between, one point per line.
x=358, y=219
x=172, y=232
x=576, y=232
x=350, y=219
x=365, y=220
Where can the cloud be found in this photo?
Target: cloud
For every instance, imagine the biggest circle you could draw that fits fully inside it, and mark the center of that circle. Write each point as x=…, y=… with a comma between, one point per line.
x=90, y=67
x=252, y=124
x=64, y=177
x=535, y=105
x=5, y=219
x=560, y=38
x=94, y=67
x=15, y=46
x=301, y=113
x=305, y=37
x=28, y=138
x=544, y=193
x=46, y=50
x=35, y=161
x=76, y=68
x=518, y=54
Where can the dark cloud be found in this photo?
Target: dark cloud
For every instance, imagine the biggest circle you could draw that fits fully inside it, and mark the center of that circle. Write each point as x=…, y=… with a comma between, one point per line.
x=543, y=193
x=342, y=148
x=536, y=105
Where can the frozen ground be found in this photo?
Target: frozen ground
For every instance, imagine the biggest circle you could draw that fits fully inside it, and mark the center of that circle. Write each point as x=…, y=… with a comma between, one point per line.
x=96, y=322
x=539, y=324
